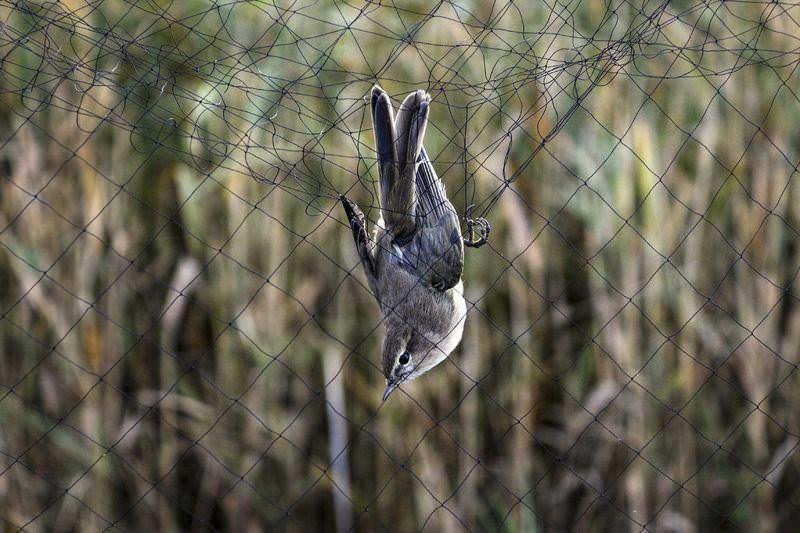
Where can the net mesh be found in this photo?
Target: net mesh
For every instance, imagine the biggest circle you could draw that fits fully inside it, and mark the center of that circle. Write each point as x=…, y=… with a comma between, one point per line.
x=187, y=339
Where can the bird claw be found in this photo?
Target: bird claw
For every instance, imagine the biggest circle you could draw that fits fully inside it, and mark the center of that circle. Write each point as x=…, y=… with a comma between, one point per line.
x=477, y=229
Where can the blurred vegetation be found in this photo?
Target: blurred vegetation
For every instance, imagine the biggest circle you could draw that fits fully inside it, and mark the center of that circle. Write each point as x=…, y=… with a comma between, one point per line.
x=187, y=341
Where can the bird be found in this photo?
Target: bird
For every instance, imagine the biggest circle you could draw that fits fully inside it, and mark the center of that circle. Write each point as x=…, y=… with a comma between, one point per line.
x=414, y=258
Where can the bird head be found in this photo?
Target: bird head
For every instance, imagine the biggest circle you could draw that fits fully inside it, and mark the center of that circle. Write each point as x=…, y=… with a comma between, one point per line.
x=406, y=356
x=396, y=359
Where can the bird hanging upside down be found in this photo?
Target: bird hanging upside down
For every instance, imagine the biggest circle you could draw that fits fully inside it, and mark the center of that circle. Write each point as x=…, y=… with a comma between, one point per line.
x=414, y=259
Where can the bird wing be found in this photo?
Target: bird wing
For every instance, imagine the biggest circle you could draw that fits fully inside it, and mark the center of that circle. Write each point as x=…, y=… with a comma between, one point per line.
x=365, y=246
x=436, y=251
x=433, y=206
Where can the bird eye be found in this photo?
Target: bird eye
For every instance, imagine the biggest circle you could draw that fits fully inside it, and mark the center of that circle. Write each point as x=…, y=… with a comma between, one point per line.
x=404, y=358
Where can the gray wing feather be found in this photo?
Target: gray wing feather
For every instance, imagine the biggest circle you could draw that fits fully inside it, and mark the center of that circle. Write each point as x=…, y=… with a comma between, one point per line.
x=436, y=251
x=364, y=244
x=433, y=206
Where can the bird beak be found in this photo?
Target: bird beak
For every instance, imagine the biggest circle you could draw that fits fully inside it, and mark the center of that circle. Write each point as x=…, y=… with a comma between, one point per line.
x=390, y=386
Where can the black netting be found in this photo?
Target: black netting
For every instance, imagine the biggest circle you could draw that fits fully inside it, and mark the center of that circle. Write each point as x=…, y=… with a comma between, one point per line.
x=187, y=339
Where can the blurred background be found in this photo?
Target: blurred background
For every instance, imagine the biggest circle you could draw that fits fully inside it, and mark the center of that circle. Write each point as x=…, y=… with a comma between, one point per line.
x=187, y=341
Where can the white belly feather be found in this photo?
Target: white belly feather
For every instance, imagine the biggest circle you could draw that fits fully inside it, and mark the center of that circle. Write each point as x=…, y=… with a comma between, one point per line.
x=448, y=343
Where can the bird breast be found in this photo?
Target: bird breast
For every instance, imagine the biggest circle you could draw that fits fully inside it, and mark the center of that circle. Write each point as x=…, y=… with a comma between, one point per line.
x=456, y=330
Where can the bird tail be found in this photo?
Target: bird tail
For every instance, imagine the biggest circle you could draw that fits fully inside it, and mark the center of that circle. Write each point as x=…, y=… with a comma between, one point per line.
x=398, y=144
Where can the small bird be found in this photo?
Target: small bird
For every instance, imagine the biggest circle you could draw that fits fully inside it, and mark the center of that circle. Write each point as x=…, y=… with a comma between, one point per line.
x=415, y=257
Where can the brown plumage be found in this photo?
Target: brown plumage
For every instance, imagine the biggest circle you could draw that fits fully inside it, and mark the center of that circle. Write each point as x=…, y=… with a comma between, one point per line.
x=414, y=259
